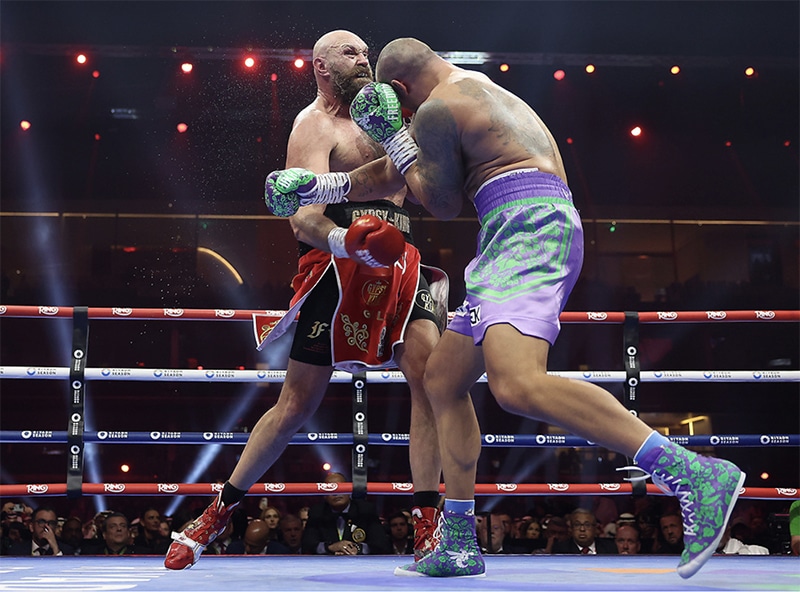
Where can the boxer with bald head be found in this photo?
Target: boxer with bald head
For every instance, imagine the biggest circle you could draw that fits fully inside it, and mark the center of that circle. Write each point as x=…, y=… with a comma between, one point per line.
x=361, y=300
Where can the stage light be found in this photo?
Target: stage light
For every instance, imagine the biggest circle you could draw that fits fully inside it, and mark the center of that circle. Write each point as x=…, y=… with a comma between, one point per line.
x=182, y=127
x=504, y=67
x=186, y=67
x=299, y=63
x=124, y=468
x=612, y=227
x=675, y=70
x=80, y=58
x=749, y=72
x=326, y=466
x=96, y=74
x=590, y=68
x=249, y=62
x=787, y=143
x=728, y=144
x=559, y=74
x=765, y=475
x=636, y=131
x=25, y=125
x=569, y=140
x=273, y=77
x=97, y=137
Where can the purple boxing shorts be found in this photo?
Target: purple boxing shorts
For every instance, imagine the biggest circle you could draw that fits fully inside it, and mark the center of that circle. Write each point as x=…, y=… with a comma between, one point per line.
x=529, y=256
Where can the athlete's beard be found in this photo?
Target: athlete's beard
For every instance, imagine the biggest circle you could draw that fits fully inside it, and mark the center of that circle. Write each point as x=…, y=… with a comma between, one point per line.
x=347, y=84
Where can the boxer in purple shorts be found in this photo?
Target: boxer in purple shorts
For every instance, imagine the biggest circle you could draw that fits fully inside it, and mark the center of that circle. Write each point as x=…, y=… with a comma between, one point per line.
x=516, y=277
x=472, y=140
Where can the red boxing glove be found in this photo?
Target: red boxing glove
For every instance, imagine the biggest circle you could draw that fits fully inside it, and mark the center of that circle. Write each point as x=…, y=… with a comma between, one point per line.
x=374, y=242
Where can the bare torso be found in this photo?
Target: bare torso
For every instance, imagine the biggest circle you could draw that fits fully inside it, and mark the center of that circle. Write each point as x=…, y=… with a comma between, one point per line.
x=496, y=131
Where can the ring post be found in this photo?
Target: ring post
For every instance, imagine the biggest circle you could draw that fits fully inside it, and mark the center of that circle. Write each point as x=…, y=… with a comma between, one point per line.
x=360, y=435
x=77, y=381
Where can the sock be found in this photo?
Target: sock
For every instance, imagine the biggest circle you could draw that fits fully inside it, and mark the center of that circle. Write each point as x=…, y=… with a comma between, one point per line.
x=232, y=495
x=463, y=507
x=425, y=499
x=650, y=450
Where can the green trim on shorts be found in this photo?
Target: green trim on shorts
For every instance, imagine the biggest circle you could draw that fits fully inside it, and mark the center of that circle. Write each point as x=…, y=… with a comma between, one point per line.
x=526, y=201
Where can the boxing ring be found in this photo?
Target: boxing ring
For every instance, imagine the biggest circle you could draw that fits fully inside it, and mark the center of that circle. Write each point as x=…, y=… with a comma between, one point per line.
x=303, y=573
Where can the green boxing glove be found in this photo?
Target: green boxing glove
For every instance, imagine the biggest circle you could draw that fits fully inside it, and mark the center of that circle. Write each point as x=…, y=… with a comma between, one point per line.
x=285, y=191
x=376, y=109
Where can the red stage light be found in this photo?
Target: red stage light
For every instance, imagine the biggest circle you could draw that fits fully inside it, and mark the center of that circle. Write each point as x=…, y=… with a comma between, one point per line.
x=636, y=131
x=96, y=74
x=97, y=137
x=186, y=67
x=299, y=63
x=569, y=140
x=182, y=127
x=273, y=77
x=81, y=58
x=25, y=125
x=559, y=74
x=249, y=62
x=728, y=144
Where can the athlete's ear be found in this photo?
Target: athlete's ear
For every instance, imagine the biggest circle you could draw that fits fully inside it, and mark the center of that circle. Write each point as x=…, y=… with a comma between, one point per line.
x=399, y=88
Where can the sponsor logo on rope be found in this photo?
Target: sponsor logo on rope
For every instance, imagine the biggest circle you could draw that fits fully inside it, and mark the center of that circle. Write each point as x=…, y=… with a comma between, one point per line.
x=48, y=310
x=780, y=440
x=327, y=486
x=41, y=371
x=3, y=309
x=610, y=486
x=402, y=486
x=37, y=488
x=217, y=487
x=386, y=374
x=173, y=312
x=224, y=313
x=717, y=440
x=716, y=315
x=218, y=436
x=507, y=487
x=122, y=312
x=159, y=435
x=113, y=487
x=596, y=316
x=601, y=374
x=499, y=438
x=274, y=487
x=790, y=491
x=103, y=435
x=168, y=373
x=558, y=486
x=168, y=487
x=262, y=374
x=682, y=440
x=28, y=434
x=394, y=437
x=313, y=436
x=550, y=439
x=667, y=316
x=765, y=315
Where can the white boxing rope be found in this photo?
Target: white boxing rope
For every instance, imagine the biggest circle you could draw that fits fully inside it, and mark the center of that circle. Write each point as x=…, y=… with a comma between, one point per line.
x=382, y=376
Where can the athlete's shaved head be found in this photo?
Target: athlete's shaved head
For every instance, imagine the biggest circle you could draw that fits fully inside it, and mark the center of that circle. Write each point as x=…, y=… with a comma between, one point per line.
x=403, y=58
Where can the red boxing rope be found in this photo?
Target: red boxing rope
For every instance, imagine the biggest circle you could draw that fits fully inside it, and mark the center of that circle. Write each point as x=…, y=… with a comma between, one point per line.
x=211, y=489
x=153, y=314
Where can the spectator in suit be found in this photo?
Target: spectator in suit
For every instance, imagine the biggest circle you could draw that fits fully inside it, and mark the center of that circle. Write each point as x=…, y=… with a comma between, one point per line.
x=257, y=540
x=583, y=525
x=116, y=538
x=43, y=536
x=344, y=526
x=290, y=529
x=627, y=539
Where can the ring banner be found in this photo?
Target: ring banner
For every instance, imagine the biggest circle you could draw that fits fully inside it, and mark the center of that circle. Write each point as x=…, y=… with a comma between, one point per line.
x=77, y=385
x=360, y=435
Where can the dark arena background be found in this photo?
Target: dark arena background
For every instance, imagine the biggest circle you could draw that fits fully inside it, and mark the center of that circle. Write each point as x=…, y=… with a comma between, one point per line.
x=131, y=183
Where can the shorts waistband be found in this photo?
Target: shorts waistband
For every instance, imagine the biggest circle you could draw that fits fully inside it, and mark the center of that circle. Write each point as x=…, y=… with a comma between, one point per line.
x=518, y=185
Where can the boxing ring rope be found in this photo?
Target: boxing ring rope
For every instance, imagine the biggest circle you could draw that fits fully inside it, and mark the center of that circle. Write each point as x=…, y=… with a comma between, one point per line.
x=78, y=374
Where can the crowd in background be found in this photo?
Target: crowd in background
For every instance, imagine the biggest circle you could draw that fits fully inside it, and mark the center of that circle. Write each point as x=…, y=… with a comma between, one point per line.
x=592, y=525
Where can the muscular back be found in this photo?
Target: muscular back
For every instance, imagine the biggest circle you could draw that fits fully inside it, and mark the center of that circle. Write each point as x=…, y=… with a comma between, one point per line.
x=470, y=130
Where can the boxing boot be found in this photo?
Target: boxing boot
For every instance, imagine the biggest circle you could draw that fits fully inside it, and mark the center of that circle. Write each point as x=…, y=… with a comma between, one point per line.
x=425, y=535
x=189, y=544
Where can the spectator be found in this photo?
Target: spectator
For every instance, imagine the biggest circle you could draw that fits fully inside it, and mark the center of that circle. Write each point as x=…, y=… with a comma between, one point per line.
x=731, y=544
x=150, y=533
x=14, y=533
x=344, y=526
x=231, y=540
x=627, y=539
x=584, y=539
x=43, y=537
x=257, y=540
x=671, y=528
x=271, y=515
x=647, y=523
x=555, y=531
x=302, y=513
x=400, y=534
x=72, y=534
x=290, y=528
x=116, y=537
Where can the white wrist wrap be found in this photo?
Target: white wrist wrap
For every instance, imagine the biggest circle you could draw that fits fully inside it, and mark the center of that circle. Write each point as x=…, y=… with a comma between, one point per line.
x=336, y=242
x=330, y=188
x=402, y=149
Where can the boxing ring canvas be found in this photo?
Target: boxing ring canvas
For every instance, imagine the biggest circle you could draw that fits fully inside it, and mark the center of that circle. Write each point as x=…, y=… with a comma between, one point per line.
x=503, y=572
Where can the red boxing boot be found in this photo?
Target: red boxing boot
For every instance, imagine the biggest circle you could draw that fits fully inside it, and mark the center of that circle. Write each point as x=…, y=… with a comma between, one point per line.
x=425, y=536
x=189, y=544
